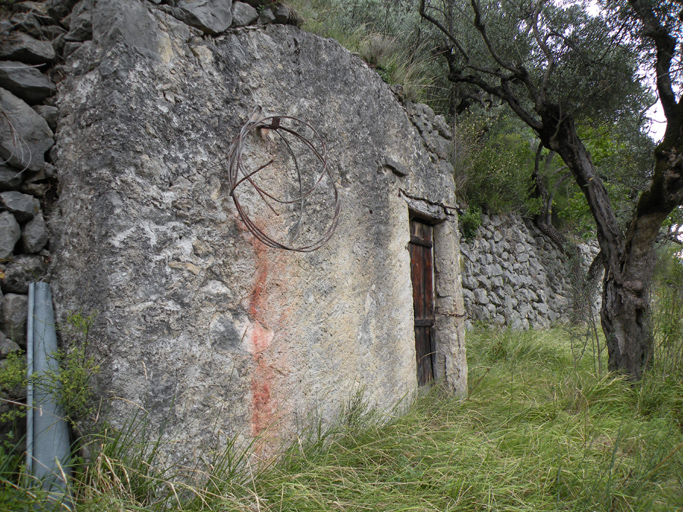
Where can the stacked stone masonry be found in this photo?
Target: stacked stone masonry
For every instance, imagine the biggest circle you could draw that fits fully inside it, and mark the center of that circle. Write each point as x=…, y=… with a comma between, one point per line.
x=513, y=276
x=26, y=175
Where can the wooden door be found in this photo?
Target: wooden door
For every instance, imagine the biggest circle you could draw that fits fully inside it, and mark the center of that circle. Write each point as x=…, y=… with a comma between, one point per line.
x=422, y=275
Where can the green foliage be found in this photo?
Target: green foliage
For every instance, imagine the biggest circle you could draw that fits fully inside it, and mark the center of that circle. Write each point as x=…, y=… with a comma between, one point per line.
x=388, y=35
x=668, y=311
x=470, y=222
x=539, y=431
x=495, y=161
x=73, y=383
x=594, y=72
x=12, y=377
x=577, y=214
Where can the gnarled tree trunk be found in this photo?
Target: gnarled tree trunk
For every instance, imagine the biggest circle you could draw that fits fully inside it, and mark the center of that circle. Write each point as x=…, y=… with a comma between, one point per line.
x=625, y=319
x=628, y=258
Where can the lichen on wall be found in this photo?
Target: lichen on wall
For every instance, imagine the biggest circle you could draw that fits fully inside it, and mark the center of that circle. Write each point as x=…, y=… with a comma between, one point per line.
x=199, y=324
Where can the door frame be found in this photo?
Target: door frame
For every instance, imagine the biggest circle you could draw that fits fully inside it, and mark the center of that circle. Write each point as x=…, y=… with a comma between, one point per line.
x=449, y=329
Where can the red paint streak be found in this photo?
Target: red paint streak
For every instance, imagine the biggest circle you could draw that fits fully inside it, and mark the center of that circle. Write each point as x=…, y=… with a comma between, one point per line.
x=262, y=405
x=257, y=295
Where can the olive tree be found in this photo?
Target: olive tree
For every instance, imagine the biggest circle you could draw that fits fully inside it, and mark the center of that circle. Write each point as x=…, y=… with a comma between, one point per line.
x=556, y=64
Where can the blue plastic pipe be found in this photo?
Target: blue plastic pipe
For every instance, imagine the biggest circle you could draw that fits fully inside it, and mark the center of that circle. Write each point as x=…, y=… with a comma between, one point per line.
x=48, y=436
x=29, y=374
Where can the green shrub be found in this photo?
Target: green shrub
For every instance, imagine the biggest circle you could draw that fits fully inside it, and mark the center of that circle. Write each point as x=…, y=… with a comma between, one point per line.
x=12, y=377
x=470, y=222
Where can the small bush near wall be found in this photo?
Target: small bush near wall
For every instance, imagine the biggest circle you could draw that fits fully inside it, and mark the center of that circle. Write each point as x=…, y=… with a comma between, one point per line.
x=470, y=222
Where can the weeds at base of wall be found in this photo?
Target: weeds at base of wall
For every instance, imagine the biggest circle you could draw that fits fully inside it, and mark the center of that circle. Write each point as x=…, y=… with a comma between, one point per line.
x=538, y=432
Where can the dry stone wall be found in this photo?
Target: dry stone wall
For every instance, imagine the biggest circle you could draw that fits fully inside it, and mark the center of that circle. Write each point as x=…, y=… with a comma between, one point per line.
x=514, y=276
x=29, y=116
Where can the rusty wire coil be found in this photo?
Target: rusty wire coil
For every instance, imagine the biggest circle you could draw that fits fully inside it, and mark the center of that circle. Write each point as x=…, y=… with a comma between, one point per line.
x=239, y=177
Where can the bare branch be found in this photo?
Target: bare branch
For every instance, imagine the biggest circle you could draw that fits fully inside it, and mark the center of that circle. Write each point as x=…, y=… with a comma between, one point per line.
x=503, y=92
x=481, y=28
x=444, y=30
x=544, y=48
x=666, y=46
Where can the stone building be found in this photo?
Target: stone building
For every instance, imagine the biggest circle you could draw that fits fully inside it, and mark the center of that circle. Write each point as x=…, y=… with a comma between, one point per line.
x=197, y=322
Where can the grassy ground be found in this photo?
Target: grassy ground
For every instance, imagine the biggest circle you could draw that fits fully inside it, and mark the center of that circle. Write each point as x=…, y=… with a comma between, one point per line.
x=540, y=431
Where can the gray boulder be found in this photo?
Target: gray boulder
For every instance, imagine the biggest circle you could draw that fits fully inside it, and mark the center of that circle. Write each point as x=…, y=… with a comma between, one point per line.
x=125, y=21
x=34, y=236
x=32, y=22
x=46, y=33
x=7, y=346
x=10, y=233
x=442, y=126
x=80, y=28
x=13, y=317
x=24, y=135
x=243, y=14
x=282, y=13
x=24, y=48
x=23, y=206
x=49, y=113
x=10, y=179
x=266, y=17
x=26, y=82
x=480, y=296
x=28, y=6
x=210, y=16
x=22, y=270
x=58, y=9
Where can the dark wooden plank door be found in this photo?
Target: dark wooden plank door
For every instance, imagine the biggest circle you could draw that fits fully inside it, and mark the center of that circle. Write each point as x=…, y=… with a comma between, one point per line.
x=422, y=275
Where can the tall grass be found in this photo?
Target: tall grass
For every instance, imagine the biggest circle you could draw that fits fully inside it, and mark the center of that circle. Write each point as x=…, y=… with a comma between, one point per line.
x=390, y=36
x=540, y=431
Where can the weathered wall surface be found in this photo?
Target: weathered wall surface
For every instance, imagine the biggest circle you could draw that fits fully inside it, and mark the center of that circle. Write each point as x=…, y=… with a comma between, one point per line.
x=198, y=323
x=514, y=276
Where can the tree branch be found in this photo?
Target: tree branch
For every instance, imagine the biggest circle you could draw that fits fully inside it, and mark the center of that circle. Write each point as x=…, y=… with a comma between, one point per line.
x=544, y=48
x=503, y=92
x=665, y=45
x=444, y=30
x=481, y=28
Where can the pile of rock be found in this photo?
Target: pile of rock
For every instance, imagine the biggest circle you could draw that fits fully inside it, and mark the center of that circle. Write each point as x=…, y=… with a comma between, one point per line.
x=213, y=17
x=28, y=117
x=433, y=128
x=514, y=276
